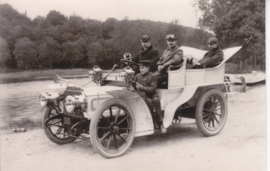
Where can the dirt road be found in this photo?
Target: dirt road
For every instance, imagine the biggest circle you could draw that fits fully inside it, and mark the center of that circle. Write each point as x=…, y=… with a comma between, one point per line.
x=241, y=146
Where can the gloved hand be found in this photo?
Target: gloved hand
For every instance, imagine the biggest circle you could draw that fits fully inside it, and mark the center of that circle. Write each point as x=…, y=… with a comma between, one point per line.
x=139, y=86
x=160, y=67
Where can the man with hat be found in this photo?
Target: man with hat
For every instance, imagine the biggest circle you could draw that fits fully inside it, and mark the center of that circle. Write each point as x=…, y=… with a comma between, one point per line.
x=173, y=55
x=212, y=58
x=146, y=84
x=148, y=52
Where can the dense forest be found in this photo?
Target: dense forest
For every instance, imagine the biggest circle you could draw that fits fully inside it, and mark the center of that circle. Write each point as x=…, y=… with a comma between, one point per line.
x=59, y=41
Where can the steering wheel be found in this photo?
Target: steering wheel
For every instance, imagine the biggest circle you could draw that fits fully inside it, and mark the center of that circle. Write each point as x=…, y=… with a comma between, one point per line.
x=129, y=63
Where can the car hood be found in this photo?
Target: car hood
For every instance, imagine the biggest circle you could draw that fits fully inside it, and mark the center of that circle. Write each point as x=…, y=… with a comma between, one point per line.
x=100, y=90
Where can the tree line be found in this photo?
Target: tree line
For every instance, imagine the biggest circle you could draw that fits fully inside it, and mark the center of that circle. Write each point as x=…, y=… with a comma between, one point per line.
x=59, y=41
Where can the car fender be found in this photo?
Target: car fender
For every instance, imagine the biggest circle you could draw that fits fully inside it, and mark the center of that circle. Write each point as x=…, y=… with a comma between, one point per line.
x=143, y=118
x=170, y=109
x=185, y=95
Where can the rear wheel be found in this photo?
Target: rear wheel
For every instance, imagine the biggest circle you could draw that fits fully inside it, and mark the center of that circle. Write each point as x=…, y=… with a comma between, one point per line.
x=54, y=127
x=211, y=112
x=112, y=128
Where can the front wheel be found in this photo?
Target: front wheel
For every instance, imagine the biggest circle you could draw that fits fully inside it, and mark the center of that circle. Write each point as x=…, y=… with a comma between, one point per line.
x=54, y=127
x=211, y=112
x=112, y=128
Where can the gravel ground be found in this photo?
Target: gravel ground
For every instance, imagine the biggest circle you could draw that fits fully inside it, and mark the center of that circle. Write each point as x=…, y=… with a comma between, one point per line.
x=240, y=146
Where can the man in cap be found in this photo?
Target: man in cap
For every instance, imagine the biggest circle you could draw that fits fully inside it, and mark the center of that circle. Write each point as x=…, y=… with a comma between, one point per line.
x=148, y=52
x=146, y=84
x=212, y=58
x=173, y=55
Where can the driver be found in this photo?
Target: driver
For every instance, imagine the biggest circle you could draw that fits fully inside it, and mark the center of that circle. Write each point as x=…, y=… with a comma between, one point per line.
x=146, y=84
x=148, y=52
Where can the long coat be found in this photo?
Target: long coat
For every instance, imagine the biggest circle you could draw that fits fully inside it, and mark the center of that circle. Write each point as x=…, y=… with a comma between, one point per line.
x=149, y=83
x=212, y=58
x=149, y=54
x=172, y=56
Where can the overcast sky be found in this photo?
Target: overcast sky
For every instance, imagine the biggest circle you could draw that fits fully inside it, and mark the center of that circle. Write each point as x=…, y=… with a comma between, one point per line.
x=154, y=10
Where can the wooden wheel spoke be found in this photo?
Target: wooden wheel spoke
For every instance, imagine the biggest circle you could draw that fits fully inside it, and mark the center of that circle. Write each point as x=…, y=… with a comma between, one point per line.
x=217, y=108
x=216, y=119
x=117, y=114
x=59, y=126
x=103, y=128
x=64, y=133
x=115, y=141
x=124, y=128
x=209, y=123
x=207, y=110
x=58, y=131
x=122, y=120
x=121, y=137
x=217, y=113
x=56, y=123
x=105, y=120
x=213, y=122
x=109, y=142
x=104, y=136
x=216, y=104
x=111, y=114
x=204, y=116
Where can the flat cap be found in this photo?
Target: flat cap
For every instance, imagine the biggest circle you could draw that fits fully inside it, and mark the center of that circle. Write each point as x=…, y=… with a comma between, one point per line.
x=144, y=63
x=212, y=40
x=145, y=38
x=171, y=37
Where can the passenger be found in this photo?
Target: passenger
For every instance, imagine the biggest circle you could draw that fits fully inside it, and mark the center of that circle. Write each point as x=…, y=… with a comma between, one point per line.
x=211, y=59
x=146, y=84
x=173, y=55
x=148, y=52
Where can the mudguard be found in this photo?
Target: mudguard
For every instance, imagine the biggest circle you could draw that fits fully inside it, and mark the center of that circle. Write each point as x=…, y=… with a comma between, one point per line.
x=143, y=119
x=170, y=109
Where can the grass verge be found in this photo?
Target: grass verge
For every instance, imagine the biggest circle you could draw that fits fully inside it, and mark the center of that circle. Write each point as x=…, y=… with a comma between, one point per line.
x=25, y=76
x=28, y=124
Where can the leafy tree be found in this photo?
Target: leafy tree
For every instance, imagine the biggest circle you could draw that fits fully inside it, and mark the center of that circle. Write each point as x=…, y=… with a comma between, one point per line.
x=108, y=28
x=75, y=25
x=49, y=52
x=236, y=23
x=4, y=53
x=56, y=18
x=72, y=52
x=25, y=53
x=94, y=53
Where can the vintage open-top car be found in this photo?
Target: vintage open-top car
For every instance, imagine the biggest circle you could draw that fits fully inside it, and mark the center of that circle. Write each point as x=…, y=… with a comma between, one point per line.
x=112, y=114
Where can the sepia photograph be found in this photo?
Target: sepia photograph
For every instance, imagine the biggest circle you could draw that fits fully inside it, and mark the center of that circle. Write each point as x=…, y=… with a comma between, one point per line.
x=128, y=85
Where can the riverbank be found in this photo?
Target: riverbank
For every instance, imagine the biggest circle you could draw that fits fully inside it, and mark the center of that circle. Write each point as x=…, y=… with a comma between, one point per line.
x=26, y=76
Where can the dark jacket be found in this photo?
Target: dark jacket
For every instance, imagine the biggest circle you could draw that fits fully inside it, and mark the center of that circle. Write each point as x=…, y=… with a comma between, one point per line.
x=212, y=58
x=172, y=56
x=149, y=54
x=149, y=83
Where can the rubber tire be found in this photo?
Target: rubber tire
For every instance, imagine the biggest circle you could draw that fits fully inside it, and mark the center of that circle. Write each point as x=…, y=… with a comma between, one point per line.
x=199, y=107
x=95, y=120
x=49, y=133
